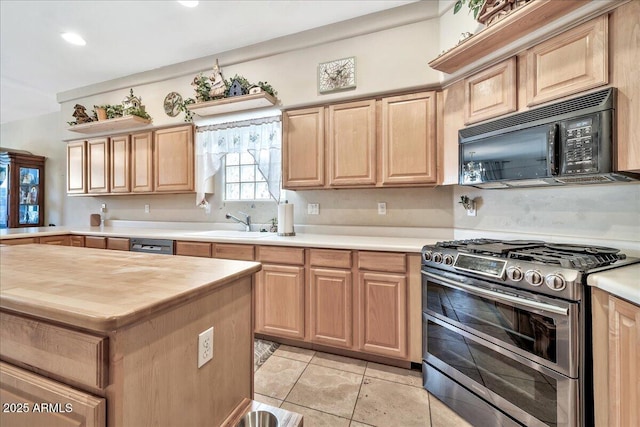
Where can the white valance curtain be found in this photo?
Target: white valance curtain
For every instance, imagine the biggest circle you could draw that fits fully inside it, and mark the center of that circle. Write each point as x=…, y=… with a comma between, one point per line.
x=262, y=138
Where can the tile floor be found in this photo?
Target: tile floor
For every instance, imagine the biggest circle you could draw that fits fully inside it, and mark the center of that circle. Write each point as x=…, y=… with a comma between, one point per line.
x=336, y=391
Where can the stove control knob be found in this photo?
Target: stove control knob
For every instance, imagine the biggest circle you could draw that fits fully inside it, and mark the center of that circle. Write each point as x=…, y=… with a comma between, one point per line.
x=533, y=277
x=555, y=282
x=515, y=274
x=427, y=255
x=437, y=257
x=448, y=259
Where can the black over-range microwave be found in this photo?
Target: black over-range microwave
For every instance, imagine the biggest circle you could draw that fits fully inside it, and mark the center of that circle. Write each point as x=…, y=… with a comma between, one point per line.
x=568, y=142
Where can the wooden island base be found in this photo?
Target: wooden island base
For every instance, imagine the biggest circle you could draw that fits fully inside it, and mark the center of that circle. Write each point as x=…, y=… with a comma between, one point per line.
x=67, y=339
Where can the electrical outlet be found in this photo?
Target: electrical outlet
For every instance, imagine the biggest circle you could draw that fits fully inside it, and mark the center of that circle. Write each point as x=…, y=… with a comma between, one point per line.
x=382, y=208
x=205, y=347
x=147, y=208
x=103, y=208
x=472, y=211
x=313, y=209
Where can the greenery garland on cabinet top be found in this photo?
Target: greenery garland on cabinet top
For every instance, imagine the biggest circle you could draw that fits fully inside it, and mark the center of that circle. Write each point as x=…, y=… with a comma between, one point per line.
x=216, y=87
x=474, y=6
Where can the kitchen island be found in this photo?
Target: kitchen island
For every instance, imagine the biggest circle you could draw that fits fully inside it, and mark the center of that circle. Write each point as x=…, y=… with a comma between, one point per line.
x=94, y=337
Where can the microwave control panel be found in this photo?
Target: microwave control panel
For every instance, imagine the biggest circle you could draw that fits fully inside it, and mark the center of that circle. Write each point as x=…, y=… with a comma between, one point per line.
x=580, y=148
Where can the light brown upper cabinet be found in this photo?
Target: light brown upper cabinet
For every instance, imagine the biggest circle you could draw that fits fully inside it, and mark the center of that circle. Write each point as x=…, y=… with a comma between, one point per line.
x=571, y=62
x=352, y=143
x=142, y=162
x=174, y=159
x=408, y=142
x=120, y=164
x=76, y=167
x=491, y=93
x=98, y=165
x=303, y=148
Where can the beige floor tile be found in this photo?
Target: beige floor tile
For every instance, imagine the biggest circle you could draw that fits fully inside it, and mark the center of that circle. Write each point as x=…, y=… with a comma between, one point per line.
x=277, y=376
x=384, y=403
x=442, y=416
x=327, y=390
x=266, y=399
x=313, y=418
x=295, y=353
x=357, y=424
x=339, y=362
x=395, y=374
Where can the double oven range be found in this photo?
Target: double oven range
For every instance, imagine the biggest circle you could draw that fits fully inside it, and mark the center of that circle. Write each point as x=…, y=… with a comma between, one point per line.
x=507, y=329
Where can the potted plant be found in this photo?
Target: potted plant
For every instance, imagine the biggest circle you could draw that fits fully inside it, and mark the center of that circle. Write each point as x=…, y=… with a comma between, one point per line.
x=474, y=6
x=101, y=111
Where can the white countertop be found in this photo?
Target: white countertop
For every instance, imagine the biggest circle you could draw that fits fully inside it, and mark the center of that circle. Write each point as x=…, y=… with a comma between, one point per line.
x=622, y=282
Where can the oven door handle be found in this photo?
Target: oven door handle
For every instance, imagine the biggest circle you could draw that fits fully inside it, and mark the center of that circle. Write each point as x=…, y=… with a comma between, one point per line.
x=500, y=297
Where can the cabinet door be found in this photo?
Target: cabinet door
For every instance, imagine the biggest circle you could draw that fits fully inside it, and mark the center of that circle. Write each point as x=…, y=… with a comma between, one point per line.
x=409, y=139
x=624, y=363
x=95, y=242
x=76, y=167
x=199, y=249
x=232, y=251
x=98, y=165
x=118, y=243
x=280, y=301
x=330, y=307
x=77, y=241
x=352, y=144
x=120, y=161
x=491, y=93
x=383, y=314
x=571, y=62
x=173, y=158
x=142, y=162
x=26, y=191
x=44, y=402
x=303, y=148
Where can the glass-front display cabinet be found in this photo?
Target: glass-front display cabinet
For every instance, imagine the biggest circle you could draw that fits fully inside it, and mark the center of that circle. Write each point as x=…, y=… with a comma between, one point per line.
x=21, y=190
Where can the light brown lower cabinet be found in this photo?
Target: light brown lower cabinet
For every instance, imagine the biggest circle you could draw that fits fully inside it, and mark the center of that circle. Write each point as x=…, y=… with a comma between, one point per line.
x=280, y=300
x=199, y=249
x=56, y=240
x=77, y=241
x=95, y=242
x=382, y=313
x=331, y=307
x=29, y=399
x=118, y=243
x=22, y=241
x=616, y=360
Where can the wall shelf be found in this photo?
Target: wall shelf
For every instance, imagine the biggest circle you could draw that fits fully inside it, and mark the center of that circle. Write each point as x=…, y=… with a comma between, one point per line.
x=517, y=24
x=111, y=125
x=232, y=104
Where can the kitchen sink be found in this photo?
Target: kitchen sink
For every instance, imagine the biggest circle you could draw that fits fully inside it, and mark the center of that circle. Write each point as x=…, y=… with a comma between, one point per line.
x=234, y=234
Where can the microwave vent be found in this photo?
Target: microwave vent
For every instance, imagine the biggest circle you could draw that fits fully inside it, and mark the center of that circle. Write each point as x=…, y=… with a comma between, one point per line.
x=596, y=101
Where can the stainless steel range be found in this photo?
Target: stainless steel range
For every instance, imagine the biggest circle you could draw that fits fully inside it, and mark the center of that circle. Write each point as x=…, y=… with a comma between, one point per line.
x=507, y=329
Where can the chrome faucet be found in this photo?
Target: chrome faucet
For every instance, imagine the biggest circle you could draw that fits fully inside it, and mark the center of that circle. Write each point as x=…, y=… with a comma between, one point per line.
x=246, y=222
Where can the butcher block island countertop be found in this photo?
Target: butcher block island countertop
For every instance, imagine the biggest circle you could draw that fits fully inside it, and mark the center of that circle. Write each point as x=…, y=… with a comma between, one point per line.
x=114, y=336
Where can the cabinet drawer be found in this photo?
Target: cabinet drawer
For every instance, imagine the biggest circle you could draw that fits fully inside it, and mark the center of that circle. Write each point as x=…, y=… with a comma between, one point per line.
x=95, y=242
x=74, y=407
x=77, y=241
x=24, y=241
x=231, y=251
x=118, y=243
x=281, y=255
x=382, y=261
x=330, y=258
x=56, y=240
x=73, y=355
x=201, y=249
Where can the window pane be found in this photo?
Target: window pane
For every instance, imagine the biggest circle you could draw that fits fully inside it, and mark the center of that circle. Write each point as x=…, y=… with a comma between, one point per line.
x=247, y=159
x=233, y=192
x=247, y=191
x=248, y=173
x=233, y=174
x=232, y=159
x=262, y=190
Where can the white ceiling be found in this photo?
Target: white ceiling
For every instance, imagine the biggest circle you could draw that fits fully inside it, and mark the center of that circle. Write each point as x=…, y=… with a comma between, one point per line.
x=128, y=37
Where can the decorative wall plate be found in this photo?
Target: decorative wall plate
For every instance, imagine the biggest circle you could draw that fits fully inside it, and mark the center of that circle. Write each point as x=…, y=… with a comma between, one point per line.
x=172, y=104
x=337, y=75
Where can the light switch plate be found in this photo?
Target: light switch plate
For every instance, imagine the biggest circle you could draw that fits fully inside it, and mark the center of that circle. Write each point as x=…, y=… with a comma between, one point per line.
x=382, y=208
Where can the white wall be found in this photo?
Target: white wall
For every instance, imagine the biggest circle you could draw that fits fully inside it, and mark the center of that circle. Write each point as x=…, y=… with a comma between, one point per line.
x=394, y=58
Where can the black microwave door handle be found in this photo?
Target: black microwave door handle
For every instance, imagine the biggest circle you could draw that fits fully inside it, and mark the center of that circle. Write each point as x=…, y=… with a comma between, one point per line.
x=554, y=149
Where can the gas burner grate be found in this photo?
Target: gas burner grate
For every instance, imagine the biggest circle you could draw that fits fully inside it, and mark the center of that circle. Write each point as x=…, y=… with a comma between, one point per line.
x=580, y=261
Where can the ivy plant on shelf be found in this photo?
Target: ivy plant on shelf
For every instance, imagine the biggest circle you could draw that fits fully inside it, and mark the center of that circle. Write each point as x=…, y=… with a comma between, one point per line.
x=474, y=6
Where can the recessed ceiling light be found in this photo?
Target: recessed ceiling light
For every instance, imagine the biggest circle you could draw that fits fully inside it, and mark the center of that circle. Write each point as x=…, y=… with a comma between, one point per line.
x=74, y=38
x=189, y=3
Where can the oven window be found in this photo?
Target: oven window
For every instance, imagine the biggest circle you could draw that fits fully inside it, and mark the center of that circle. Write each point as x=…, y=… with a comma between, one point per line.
x=528, y=331
x=526, y=388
